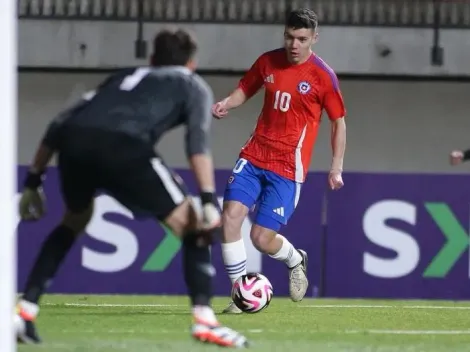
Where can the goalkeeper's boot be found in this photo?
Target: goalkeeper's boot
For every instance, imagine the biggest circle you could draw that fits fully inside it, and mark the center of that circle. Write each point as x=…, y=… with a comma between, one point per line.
x=207, y=329
x=26, y=313
x=25, y=329
x=232, y=309
x=298, y=282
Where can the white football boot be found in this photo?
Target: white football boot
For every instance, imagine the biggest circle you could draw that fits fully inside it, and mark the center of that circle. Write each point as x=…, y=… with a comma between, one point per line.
x=218, y=335
x=232, y=309
x=207, y=329
x=298, y=282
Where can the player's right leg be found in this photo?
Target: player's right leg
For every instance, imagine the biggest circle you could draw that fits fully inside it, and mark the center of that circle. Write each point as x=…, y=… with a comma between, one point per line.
x=152, y=189
x=277, y=204
x=78, y=194
x=242, y=191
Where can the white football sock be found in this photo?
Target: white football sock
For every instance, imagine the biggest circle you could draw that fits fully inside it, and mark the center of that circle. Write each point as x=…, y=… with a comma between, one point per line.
x=287, y=254
x=234, y=255
x=205, y=315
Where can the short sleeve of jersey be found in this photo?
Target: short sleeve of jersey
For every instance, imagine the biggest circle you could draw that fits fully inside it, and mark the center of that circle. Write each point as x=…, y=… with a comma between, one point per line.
x=252, y=81
x=333, y=102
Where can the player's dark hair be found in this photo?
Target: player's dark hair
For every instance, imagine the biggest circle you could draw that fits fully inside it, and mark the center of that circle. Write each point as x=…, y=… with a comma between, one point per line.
x=173, y=47
x=302, y=18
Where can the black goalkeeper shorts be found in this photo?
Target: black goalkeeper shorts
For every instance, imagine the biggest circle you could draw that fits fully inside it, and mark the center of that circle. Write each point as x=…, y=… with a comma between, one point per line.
x=136, y=177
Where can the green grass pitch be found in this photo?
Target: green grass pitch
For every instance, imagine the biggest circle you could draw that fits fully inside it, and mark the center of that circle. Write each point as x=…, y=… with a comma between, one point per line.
x=156, y=323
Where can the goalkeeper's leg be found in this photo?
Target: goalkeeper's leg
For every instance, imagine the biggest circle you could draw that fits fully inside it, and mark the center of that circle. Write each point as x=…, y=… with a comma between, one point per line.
x=53, y=251
x=198, y=274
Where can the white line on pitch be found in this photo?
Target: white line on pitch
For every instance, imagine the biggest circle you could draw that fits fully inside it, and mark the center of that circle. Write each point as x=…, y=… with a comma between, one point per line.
x=411, y=332
x=382, y=306
x=160, y=331
x=258, y=331
x=255, y=331
x=351, y=306
x=112, y=305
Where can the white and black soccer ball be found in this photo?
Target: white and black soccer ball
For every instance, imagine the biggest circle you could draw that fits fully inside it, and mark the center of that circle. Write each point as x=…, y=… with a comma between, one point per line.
x=252, y=292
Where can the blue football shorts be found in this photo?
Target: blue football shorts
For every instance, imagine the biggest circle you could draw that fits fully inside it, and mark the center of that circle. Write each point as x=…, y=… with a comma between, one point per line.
x=276, y=197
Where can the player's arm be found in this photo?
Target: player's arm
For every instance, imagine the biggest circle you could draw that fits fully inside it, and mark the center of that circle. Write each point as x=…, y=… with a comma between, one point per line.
x=48, y=145
x=198, y=121
x=235, y=99
x=334, y=105
x=248, y=85
x=338, y=143
x=32, y=201
x=50, y=140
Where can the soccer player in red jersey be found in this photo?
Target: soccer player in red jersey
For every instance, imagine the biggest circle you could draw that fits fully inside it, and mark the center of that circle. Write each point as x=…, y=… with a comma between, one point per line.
x=274, y=162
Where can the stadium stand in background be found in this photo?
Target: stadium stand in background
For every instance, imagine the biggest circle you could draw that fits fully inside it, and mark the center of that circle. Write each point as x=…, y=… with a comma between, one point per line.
x=400, y=13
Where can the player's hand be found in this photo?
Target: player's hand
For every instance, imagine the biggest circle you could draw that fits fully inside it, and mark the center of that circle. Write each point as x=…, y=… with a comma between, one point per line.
x=211, y=217
x=33, y=201
x=335, y=180
x=456, y=157
x=211, y=213
x=219, y=110
x=32, y=204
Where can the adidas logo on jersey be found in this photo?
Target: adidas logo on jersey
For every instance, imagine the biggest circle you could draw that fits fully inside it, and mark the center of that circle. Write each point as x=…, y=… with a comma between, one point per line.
x=269, y=79
x=279, y=211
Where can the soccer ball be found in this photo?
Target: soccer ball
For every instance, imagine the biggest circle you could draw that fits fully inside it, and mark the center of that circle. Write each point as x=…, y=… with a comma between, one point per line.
x=252, y=292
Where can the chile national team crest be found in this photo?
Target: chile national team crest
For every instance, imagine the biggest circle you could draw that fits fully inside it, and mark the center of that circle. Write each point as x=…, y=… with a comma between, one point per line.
x=303, y=87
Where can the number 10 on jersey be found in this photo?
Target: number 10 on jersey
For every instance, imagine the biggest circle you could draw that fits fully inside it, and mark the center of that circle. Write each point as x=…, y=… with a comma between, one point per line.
x=282, y=101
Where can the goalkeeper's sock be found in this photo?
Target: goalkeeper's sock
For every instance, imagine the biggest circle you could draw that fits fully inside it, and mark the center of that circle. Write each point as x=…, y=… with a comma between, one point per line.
x=198, y=270
x=204, y=315
x=287, y=254
x=234, y=254
x=53, y=251
x=27, y=311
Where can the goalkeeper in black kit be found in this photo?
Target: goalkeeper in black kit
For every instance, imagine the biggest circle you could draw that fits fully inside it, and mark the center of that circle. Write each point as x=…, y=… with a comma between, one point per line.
x=107, y=142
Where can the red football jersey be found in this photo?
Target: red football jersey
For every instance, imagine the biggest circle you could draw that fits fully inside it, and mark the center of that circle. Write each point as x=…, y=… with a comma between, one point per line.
x=294, y=98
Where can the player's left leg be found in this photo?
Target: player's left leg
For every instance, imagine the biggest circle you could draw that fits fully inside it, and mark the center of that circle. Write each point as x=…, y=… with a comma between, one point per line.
x=78, y=194
x=277, y=204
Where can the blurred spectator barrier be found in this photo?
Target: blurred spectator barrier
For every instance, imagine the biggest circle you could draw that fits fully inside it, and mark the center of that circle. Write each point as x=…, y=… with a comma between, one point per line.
x=388, y=13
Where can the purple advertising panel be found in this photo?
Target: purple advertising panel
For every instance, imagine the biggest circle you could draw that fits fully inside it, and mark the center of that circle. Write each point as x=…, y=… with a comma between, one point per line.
x=121, y=255
x=399, y=236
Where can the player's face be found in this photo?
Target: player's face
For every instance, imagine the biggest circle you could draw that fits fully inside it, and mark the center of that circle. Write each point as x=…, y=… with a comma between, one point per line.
x=298, y=43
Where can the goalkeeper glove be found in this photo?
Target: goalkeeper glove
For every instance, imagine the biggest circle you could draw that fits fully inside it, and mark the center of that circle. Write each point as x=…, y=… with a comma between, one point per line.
x=211, y=212
x=33, y=201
